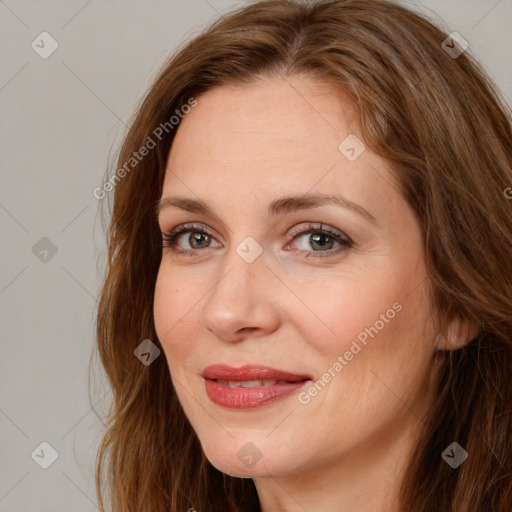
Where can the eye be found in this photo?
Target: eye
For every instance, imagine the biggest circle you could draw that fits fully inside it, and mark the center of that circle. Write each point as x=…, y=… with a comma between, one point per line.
x=321, y=240
x=198, y=238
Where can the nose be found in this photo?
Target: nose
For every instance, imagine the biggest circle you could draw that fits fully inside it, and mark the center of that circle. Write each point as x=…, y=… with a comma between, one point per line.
x=243, y=301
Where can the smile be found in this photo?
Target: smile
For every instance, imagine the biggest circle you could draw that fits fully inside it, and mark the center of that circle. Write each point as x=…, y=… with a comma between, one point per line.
x=250, y=386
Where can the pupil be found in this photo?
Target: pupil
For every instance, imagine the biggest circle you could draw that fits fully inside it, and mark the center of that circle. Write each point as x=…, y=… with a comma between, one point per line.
x=321, y=236
x=196, y=239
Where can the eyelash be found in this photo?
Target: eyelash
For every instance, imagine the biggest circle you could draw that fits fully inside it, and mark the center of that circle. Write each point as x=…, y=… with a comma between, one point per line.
x=171, y=237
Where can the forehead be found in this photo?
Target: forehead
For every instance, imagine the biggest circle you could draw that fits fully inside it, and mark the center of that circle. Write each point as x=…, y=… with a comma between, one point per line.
x=284, y=113
x=277, y=136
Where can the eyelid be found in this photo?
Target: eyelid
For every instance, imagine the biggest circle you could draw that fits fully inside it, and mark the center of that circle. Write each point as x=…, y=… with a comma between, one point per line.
x=344, y=241
x=179, y=230
x=172, y=236
x=319, y=226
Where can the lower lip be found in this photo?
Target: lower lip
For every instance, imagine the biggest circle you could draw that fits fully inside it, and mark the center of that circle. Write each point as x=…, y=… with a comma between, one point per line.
x=249, y=398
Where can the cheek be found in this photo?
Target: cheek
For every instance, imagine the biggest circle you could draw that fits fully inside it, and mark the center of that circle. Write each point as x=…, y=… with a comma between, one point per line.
x=173, y=311
x=368, y=325
x=346, y=308
x=374, y=364
x=385, y=341
x=328, y=310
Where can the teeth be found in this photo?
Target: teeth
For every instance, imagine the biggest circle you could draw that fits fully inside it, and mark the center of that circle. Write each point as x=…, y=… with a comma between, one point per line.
x=249, y=383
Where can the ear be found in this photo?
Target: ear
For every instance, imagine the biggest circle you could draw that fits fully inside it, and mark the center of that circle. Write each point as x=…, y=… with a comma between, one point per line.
x=458, y=332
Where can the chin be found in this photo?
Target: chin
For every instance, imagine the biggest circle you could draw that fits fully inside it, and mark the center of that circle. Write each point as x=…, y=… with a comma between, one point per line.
x=246, y=460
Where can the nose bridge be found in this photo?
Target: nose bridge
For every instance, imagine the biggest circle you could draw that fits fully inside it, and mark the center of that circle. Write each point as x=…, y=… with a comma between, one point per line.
x=241, y=271
x=238, y=299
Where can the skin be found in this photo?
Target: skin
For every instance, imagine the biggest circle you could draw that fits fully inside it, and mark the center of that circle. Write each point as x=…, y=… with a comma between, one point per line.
x=240, y=148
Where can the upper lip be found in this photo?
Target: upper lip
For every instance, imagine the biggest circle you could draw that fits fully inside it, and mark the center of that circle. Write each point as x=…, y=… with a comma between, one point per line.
x=250, y=372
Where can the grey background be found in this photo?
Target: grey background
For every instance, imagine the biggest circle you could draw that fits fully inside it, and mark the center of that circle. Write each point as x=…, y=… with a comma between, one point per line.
x=62, y=118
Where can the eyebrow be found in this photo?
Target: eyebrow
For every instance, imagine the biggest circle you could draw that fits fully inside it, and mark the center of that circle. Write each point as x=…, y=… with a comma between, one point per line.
x=284, y=204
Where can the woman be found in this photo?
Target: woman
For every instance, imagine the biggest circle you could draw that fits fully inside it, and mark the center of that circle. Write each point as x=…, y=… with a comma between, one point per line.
x=373, y=376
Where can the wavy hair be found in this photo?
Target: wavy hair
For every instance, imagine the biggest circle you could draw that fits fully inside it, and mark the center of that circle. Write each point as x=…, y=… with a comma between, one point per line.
x=446, y=131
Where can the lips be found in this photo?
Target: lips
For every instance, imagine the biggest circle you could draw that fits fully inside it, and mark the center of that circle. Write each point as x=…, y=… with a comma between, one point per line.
x=250, y=386
x=250, y=372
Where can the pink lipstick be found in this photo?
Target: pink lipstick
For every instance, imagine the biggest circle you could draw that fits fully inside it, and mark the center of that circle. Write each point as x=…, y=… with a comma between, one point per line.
x=250, y=386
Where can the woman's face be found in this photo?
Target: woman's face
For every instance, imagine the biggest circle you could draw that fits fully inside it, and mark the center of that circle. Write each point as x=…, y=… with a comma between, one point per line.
x=261, y=283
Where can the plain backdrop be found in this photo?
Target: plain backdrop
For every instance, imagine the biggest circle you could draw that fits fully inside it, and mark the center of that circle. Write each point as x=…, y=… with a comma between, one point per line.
x=61, y=118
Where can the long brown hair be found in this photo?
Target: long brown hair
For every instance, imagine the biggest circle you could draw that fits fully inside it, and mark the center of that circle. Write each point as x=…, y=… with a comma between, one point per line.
x=446, y=132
